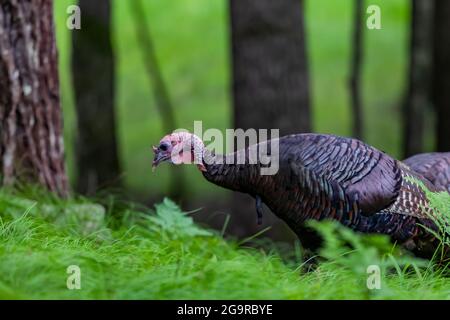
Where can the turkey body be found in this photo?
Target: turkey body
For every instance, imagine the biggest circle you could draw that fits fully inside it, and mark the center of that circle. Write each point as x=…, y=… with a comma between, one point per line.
x=331, y=177
x=434, y=166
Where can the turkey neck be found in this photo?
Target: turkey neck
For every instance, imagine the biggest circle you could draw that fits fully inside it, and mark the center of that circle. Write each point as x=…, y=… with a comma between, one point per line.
x=223, y=172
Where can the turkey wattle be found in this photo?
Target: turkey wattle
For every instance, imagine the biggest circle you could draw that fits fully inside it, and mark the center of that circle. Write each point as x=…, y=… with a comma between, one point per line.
x=321, y=177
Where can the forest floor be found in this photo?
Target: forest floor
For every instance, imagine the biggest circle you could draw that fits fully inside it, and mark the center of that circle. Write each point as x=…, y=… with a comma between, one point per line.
x=133, y=252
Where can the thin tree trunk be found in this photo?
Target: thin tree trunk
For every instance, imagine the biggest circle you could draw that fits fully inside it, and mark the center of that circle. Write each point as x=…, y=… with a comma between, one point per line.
x=97, y=158
x=270, y=69
x=270, y=80
x=159, y=89
x=355, y=73
x=441, y=73
x=418, y=97
x=31, y=145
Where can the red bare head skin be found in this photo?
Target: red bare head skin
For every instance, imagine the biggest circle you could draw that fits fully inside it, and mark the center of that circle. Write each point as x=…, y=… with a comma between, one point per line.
x=179, y=148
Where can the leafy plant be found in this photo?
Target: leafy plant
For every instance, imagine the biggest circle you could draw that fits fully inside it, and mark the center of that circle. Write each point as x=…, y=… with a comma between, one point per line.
x=173, y=223
x=358, y=253
x=440, y=215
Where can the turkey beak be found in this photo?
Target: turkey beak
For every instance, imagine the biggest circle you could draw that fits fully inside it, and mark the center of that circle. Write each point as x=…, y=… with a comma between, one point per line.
x=159, y=157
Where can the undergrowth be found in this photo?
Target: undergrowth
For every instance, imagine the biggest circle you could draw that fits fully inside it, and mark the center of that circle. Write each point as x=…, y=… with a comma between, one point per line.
x=141, y=253
x=439, y=203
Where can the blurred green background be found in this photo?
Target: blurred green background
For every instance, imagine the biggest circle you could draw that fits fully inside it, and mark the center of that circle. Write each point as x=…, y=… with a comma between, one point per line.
x=192, y=45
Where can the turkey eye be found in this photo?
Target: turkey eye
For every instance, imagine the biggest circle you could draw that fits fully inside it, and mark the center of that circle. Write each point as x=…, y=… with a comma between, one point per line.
x=163, y=147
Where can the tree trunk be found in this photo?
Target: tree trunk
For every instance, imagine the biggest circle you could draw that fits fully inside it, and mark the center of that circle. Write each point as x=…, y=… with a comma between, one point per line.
x=97, y=158
x=441, y=73
x=159, y=89
x=31, y=146
x=270, y=75
x=418, y=97
x=355, y=73
x=270, y=79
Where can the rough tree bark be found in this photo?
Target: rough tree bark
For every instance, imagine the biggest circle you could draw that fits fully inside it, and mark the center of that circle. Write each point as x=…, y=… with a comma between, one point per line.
x=270, y=79
x=418, y=95
x=31, y=145
x=441, y=73
x=97, y=159
x=355, y=72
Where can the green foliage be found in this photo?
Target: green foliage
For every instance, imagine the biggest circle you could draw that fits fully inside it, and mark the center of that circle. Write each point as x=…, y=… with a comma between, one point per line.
x=440, y=215
x=440, y=202
x=356, y=251
x=171, y=222
x=161, y=254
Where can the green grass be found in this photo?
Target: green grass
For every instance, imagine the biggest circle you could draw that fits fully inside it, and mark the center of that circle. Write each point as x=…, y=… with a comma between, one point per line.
x=192, y=45
x=141, y=253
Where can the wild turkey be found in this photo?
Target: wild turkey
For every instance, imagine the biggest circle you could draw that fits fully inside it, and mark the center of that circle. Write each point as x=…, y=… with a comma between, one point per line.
x=433, y=166
x=320, y=177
